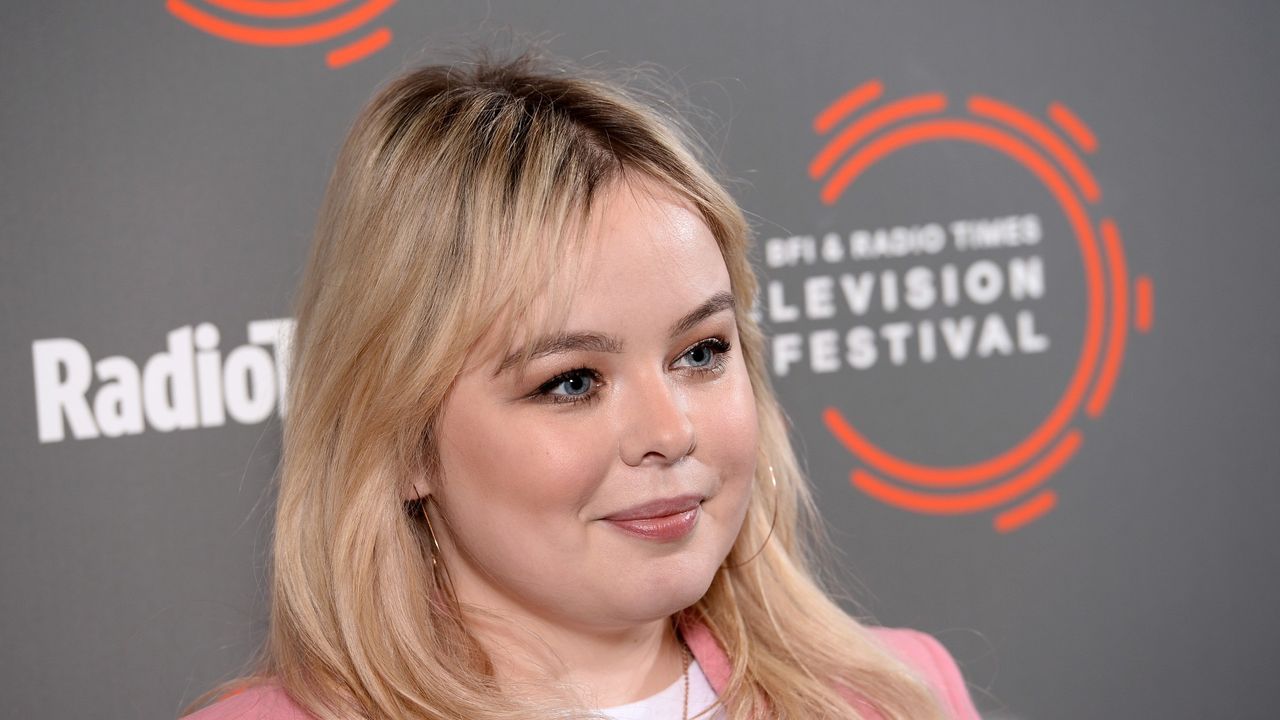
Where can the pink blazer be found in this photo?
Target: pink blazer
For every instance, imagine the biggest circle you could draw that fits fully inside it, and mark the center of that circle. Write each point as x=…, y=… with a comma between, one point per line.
x=920, y=651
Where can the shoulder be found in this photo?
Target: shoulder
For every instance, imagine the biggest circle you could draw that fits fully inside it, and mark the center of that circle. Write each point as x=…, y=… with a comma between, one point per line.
x=931, y=661
x=261, y=702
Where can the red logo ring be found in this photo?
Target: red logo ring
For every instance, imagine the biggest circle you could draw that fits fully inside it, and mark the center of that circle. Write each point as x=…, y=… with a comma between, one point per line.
x=1026, y=466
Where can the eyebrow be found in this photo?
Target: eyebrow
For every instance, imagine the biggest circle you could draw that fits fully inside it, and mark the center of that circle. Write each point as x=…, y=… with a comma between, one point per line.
x=597, y=342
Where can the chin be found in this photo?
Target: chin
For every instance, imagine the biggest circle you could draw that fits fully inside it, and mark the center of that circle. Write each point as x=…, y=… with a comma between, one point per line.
x=668, y=589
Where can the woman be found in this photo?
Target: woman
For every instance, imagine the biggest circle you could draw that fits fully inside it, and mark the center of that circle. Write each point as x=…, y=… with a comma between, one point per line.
x=533, y=464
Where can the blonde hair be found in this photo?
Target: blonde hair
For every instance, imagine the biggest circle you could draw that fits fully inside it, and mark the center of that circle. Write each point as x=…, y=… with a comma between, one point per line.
x=455, y=192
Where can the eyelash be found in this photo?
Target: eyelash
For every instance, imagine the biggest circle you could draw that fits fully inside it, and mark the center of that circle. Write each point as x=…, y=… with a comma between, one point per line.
x=717, y=345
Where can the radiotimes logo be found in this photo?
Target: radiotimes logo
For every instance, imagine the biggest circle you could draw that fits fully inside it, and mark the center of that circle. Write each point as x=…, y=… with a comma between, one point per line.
x=284, y=23
x=190, y=384
x=986, y=299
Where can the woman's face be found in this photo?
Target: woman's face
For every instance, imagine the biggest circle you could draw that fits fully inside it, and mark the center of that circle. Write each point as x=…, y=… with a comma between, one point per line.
x=606, y=485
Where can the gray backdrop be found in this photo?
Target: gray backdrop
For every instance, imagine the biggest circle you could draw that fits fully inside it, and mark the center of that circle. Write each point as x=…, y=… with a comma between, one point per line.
x=158, y=189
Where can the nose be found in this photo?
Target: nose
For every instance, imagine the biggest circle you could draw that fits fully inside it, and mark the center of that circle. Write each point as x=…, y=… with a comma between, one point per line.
x=656, y=426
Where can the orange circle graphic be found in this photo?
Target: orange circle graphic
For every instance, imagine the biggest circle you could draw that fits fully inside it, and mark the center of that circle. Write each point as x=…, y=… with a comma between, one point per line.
x=1100, y=354
x=239, y=30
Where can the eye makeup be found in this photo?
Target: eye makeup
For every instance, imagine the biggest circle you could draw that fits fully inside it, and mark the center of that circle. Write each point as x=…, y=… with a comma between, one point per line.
x=590, y=380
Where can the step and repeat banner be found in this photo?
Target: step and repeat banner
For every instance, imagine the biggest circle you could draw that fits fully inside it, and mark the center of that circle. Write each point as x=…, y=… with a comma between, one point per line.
x=1018, y=274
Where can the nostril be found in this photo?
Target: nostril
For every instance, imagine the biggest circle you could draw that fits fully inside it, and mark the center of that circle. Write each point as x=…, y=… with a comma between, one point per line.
x=655, y=421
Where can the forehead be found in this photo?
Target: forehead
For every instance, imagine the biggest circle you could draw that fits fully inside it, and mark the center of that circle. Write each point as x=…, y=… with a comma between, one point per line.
x=644, y=252
x=642, y=235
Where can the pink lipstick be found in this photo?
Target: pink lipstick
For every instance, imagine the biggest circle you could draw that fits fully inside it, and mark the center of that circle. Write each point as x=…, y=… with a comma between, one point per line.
x=666, y=519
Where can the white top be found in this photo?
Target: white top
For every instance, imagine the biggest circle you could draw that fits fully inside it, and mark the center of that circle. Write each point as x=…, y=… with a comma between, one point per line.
x=669, y=703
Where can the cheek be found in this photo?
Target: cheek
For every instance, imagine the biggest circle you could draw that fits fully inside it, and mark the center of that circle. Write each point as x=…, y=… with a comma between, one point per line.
x=730, y=420
x=516, y=470
x=728, y=440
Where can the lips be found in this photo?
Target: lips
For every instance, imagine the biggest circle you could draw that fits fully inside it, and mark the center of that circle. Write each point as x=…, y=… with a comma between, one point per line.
x=660, y=520
x=658, y=508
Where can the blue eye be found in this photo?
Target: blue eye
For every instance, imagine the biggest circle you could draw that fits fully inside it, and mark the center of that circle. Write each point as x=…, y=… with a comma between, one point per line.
x=578, y=385
x=575, y=383
x=708, y=355
x=701, y=351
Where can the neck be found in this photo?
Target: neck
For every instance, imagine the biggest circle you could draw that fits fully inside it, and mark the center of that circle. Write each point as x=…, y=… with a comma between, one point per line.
x=533, y=650
x=609, y=665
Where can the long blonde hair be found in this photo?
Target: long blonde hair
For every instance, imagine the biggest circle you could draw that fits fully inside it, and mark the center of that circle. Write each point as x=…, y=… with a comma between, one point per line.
x=457, y=189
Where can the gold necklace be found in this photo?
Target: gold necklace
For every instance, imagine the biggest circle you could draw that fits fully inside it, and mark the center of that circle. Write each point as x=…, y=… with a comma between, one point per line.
x=684, y=655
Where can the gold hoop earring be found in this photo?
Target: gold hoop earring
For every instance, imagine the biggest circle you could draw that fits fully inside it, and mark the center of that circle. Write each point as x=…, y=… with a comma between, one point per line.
x=435, y=545
x=773, y=523
x=439, y=570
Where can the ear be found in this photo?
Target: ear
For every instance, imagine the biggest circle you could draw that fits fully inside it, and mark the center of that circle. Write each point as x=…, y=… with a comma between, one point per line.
x=415, y=487
x=419, y=481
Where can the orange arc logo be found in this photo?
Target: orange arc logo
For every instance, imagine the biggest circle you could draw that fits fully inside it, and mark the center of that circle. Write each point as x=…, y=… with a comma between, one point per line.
x=241, y=27
x=1005, y=479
